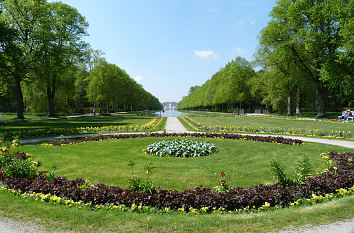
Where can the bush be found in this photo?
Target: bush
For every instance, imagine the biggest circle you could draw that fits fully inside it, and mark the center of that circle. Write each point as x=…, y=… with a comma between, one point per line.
x=180, y=148
x=20, y=168
x=139, y=185
x=279, y=174
x=303, y=170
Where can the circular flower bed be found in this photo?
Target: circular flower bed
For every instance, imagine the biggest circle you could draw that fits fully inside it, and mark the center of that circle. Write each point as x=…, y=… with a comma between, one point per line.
x=180, y=148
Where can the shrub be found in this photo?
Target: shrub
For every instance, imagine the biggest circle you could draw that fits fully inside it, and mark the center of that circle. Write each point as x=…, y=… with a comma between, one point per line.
x=139, y=185
x=303, y=170
x=20, y=168
x=279, y=174
x=17, y=164
x=180, y=148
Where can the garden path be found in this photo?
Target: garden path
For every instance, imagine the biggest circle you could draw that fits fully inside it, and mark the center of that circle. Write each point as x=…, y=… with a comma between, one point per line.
x=8, y=225
x=337, y=227
x=173, y=125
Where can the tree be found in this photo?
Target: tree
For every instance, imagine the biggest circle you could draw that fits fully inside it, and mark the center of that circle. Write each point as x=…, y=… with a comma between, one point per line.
x=311, y=30
x=23, y=17
x=225, y=89
x=192, y=89
x=61, y=46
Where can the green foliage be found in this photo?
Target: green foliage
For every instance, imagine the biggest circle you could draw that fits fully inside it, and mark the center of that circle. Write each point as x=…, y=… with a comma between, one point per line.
x=139, y=185
x=303, y=170
x=223, y=185
x=309, y=39
x=20, y=168
x=131, y=164
x=51, y=176
x=181, y=148
x=108, y=84
x=43, y=60
x=279, y=174
x=227, y=87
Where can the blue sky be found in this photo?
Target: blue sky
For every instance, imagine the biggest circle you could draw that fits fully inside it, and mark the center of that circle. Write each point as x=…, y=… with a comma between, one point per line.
x=169, y=45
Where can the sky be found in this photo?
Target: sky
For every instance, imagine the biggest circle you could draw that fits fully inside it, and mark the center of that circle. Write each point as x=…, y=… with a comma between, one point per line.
x=170, y=45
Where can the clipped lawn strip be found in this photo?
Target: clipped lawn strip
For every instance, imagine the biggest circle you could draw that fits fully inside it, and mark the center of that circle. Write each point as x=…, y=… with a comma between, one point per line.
x=257, y=197
x=245, y=128
x=269, y=139
x=9, y=134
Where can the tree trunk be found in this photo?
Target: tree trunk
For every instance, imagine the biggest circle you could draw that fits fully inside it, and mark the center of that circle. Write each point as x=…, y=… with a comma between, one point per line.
x=321, y=99
x=20, y=104
x=290, y=106
x=51, y=95
x=298, y=102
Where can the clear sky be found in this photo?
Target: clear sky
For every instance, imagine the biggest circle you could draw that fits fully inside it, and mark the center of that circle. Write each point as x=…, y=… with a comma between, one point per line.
x=169, y=45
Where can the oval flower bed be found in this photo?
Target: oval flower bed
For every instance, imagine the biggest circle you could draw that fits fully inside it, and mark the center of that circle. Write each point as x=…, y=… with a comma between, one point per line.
x=180, y=148
x=200, y=200
x=269, y=139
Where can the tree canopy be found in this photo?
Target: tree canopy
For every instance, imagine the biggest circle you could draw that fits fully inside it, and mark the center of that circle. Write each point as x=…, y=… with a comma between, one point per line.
x=47, y=66
x=305, y=60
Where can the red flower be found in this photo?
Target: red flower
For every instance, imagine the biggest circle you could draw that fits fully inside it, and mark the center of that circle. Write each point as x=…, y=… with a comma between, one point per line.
x=223, y=182
x=222, y=175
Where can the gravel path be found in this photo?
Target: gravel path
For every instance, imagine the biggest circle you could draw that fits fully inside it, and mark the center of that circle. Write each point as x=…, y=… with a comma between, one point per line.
x=337, y=227
x=173, y=125
x=14, y=226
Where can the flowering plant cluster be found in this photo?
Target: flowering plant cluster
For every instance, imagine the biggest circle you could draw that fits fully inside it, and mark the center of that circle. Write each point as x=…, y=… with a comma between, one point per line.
x=180, y=148
x=273, y=130
x=268, y=139
x=257, y=197
x=223, y=186
x=29, y=133
x=55, y=200
x=16, y=164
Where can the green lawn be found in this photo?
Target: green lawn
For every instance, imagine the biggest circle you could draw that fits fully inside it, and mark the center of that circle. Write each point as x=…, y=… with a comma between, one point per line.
x=97, y=121
x=272, y=122
x=59, y=218
x=244, y=162
x=74, y=126
x=9, y=116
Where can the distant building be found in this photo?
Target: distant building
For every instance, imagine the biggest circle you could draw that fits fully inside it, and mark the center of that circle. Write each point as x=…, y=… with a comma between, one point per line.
x=170, y=105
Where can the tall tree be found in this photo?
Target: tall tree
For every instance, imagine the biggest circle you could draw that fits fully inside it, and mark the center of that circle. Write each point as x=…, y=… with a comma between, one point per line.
x=311, y=31
x=61, y=47
x=23, y=17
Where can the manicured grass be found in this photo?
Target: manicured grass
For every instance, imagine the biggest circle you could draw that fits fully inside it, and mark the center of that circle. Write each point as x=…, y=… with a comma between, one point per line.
x=187, y=126
x=84, y=220
x=10, y=116
x=244, y=162
x=97, y=121
x=162, y=125
x=270, y=122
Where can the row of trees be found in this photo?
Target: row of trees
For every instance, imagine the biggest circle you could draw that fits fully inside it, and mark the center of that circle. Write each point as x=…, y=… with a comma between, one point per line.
x=307, y=57
x=45, y=65
x=227, y=89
